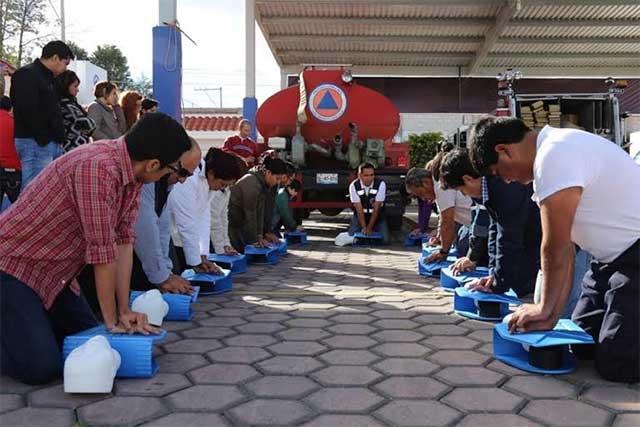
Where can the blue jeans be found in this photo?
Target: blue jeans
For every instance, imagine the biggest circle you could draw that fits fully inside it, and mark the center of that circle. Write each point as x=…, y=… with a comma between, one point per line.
x=30, y=336
x=34, y=158
x=582, y=265
x=381, y=227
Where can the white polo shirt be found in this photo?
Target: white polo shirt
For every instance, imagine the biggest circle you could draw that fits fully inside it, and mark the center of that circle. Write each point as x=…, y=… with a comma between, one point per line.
x=607, y=220
x=446, y=199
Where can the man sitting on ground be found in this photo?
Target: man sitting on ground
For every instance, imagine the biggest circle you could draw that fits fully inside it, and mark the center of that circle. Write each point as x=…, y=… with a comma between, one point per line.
x=367, y=194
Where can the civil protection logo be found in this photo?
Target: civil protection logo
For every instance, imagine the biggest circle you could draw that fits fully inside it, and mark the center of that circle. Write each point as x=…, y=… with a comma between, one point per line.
x=327, y=102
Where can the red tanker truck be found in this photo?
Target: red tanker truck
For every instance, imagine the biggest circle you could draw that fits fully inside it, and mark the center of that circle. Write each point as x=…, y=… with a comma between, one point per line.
x=327, y=125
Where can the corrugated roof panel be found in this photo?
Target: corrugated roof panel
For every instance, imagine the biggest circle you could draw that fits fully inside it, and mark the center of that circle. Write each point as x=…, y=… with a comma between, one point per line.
x=555, y=29
x=579, y=12
x=592, y=48
x=380, y=60
x=310, y=27
x=378, y=46
x=542, y=61
x=377, y=10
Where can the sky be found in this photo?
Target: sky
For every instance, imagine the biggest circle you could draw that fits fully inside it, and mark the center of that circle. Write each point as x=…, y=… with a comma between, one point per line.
x=217, y=26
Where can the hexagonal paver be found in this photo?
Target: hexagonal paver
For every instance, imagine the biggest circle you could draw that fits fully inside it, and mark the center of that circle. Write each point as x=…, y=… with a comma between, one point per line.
x=393, y=314
x=10, y=402
x=442, y=329
x=498, y=366
x=540, y=387
x=9, y=385
x=268, y=317
x=55, y=397
x=352, y=329
x=282, y=386
x=469, y=376
x=177, y=326
x=411, y=388
x=158, y=386
x=188, y=419
x=307, y=323
x=205, y=397
x=270, y=412
x=458, y=358
x=303, y=334
x=208, y=332
x=260, y=328
x=343, y=421
x=289, y=365
x=496, y=420
x=232, y=312
x=450, y=343
x=297, y=348
x=238, y=355
x=483, y=400
x=222, y=321
x=412, y=413
x=36, y=416
x=250, y=340
x=219, y=373
x=401, y=350
x=482, y=335
x=349, y=341
x=351, y=399
x=192, y=346
x=563, y=412
x=352, y=318
x=627, y=420
x=406, y=366
x=121, y=410
x=349, y=357
x=437, y=319
x=618, y=398
x=346, y=375
x=176, y=363
x=391, y=335
x=395, y=324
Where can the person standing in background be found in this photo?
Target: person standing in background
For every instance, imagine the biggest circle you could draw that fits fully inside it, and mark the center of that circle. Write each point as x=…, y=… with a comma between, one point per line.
x=78, y=127
x=106, y=113
x=131, y=104
x=242, y=144
x=10, y=174
x=39, y=129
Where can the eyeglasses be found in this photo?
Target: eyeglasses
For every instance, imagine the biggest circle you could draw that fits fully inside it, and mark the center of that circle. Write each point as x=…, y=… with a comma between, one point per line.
x=180, y=171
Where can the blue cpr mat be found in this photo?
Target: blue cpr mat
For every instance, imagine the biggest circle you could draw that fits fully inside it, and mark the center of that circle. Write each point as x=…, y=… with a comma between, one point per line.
x=210, y=284
x=236, y=263
x=449, y=281
x=483, y=306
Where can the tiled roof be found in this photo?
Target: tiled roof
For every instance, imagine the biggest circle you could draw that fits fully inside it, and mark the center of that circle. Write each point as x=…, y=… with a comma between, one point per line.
x=211, y=123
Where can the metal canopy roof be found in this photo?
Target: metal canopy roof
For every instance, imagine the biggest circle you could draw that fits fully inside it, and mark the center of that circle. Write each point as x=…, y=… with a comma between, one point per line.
x=542, y=38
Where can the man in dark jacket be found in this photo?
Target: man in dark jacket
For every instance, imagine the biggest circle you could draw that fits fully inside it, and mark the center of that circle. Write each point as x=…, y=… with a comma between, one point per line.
x=39, y=129
x=514, y=232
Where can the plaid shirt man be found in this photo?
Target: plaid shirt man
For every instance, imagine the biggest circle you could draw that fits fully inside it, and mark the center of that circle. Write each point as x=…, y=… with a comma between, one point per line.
x=76, y=212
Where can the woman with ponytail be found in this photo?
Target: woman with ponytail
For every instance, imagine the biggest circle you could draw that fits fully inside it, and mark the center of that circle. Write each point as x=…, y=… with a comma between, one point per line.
x=247, y=203
x=189, y=207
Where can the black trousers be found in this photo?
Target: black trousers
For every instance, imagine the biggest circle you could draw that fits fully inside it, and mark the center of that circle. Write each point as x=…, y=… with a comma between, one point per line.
x=10, y=181
x=608, y=310
x=30, y=336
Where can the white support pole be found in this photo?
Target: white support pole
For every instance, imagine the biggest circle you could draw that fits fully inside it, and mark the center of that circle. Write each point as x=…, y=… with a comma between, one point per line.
x=63, y=32
x=250, y=48
x=284, y=79
x=167, y=12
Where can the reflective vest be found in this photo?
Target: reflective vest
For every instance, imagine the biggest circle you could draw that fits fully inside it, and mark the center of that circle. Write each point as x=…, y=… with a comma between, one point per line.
x=367, y=200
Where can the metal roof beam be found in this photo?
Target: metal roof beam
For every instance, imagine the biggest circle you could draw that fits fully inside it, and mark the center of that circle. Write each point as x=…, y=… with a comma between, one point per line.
x=570, y=40
x=387, y=55
x=440, y=22
x=574, y=23
x=375, y=39
x=386, y=2
x=582, y=2
x=545, y=55
x=502, y=20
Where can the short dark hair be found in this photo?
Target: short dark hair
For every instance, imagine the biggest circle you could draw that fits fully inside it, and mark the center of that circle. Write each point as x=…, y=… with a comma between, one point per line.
x=57, y=47
x=148, y=103
x=157, y=136
x=488, y=133
x=365, y=165
x=5, y=103
x=222, y=165
x=275, y=166
x=295, y=185
x=291, y=168
x=65, y=79
x=454, y=166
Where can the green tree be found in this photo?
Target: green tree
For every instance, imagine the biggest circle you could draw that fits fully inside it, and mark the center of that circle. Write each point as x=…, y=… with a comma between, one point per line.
x=143, y=85
x=8, y=13
x=423, y=147
x=112, y=59
x=29, y=18
x=78, y=52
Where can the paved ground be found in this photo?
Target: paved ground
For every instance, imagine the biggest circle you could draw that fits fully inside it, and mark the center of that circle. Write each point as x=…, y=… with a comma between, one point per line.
x=331, y=337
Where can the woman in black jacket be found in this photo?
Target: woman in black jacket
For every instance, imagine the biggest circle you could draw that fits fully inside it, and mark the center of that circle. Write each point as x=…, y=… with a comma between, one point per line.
x=78, y=127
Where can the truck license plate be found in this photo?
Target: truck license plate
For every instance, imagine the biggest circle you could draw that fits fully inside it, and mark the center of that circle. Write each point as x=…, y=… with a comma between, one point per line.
x=327, y=178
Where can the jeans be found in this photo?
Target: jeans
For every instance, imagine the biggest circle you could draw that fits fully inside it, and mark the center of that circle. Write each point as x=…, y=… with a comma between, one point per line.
x=10, y=184
x=582, y=262
x=30, y=336
x=461, y=240
x=381, y=227
x=34, y=158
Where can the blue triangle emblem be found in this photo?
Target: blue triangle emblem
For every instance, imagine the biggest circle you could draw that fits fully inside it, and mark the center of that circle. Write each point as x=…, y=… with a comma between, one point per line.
x=327, y=102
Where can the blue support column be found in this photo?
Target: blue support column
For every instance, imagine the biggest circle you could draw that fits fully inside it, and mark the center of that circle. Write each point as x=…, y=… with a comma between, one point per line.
x=249, y=109
x=167, y=70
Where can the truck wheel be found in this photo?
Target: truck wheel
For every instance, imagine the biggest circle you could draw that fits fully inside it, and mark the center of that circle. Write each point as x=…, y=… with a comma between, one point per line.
x=394, y=222
x=331, y=211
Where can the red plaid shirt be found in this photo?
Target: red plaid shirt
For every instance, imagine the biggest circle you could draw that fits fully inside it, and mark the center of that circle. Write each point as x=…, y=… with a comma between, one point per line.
x=76, y=212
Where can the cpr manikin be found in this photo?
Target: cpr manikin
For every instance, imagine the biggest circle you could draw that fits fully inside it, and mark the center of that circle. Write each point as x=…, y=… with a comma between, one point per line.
x=91, y=367
x=153, y=305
